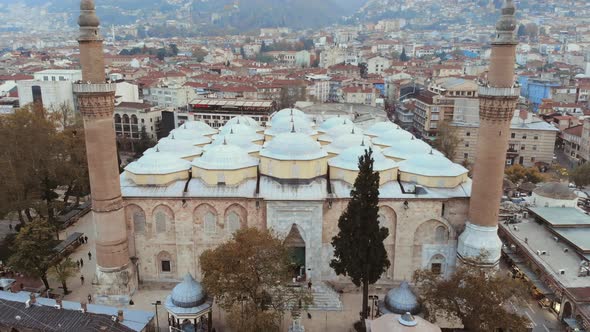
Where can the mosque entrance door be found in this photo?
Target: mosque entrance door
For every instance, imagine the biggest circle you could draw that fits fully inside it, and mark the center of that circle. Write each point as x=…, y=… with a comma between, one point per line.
x=296, y=246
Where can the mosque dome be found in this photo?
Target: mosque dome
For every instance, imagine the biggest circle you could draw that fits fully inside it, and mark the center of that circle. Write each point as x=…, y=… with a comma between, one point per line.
x=184, y=149
x=343, y=142
x=401, y=300
x=158, y=163
x=290, y=123
x=434, y=165
x=242, y=119
x=293, y=146
x=333, y=122
x=339, y=130
x=225, y=157
x=393, y=137
x=288, y=113
x=379, y=128
x=198, y=127
x=245, y=142
x=188, y=294
x=237, y=128
x=189, y=136
x=555, y=190
x=407, y=149
x=349, y=159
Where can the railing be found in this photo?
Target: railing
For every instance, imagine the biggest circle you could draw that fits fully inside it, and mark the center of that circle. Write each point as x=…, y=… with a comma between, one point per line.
x=92, y=88
x=498, y=92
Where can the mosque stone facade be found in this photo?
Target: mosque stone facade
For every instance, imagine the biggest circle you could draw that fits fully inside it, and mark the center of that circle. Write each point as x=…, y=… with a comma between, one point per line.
x=171, y=221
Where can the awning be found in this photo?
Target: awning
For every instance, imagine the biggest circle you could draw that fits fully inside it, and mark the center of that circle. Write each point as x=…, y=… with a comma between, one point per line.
x=68, y=242
x=534, y=279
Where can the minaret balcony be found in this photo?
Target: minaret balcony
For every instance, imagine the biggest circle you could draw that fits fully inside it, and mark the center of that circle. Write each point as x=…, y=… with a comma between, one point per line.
x=486, y=91
x=83, y=87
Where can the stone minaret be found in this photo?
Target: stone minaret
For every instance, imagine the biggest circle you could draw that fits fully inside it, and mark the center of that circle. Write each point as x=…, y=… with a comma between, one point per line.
x=115, y=277
x=498, y=97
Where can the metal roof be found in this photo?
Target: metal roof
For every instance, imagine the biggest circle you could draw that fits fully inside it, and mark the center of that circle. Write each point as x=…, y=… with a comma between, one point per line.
x=232, y=102
x=562, y=217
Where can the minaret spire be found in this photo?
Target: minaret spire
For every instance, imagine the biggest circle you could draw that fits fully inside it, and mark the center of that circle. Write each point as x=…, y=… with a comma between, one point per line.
x=497, y=97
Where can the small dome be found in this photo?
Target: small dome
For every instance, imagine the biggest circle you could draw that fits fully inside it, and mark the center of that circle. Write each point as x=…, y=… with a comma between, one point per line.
x=402, y=300
x=555, y=190
x=188, y=294
x=344, y=142
x=288, y=124
x=198, y=127
x=432, y=165
x=180, y=147
x=288, y=113
x=225, y=157
x=243, y=141
x=237, y=128
x=242, y=119
x=340, y=130
x=190, y=136
x=293, y=146
x=158, y=163
x=407, y=149
x=381, y=127
x=393, y=137
x=333, y=122
x=349, y=159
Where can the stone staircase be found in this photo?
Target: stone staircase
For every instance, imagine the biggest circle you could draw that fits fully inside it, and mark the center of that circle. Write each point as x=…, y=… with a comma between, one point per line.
x=325, y=299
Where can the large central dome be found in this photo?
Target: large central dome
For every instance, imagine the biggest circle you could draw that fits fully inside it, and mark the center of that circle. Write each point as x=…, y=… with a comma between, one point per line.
x=293, y=146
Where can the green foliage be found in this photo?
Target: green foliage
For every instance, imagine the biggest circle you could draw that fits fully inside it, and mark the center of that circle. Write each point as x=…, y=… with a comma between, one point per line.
x=461, y=297
x=520, y=174
x=580, y=176
x=63, y=271
x=249, y=276
x=264, y=58
x=33, y=250
x=447, y=139
x=359, y=252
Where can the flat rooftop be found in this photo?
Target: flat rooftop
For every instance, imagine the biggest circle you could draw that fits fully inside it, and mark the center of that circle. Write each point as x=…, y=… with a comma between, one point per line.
x=539, y=238
x=579, y=237
x=562, y=217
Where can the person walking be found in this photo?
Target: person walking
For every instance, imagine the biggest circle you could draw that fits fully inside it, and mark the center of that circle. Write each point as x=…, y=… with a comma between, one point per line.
x=10, y=227
x=85, y=239
x=78, y=263
x=81, y=262
x=82, y=279
x=309, y=284
x=89, y=256
x=89, y=298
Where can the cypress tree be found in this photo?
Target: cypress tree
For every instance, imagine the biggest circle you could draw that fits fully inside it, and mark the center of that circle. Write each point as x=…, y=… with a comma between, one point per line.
x=358, y=247
x=404, y=57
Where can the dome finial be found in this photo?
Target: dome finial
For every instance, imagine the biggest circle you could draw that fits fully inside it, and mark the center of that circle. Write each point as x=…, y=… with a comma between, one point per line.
x=431, y=151
x=157, y=148
x=231, y=131
x=363, y=141
x=352, y=131
x=238, y=122
x=293, y=128
x=224, y=140
x=88, y=21
x=172, y=136
x=506, y=26
x=184, y=125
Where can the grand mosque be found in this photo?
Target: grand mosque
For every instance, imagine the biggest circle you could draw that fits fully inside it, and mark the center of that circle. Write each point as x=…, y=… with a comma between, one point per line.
x=293, y=176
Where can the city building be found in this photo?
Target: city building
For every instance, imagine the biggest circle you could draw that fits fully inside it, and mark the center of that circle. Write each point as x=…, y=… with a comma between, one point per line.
x=217, y=112
x=52, y=88
x=531, y=141
x=572, y=143
x=550, y=247
x=174, y=96
x=132, y=118
x=536, y=89
x=25, y=312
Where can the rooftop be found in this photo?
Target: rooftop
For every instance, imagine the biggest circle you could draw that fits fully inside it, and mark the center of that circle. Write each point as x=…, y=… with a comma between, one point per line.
x=562, y=217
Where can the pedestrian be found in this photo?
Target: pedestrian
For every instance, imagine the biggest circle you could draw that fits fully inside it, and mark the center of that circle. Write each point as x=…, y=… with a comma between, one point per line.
x=22, y=286
x=81, y=262
x=89, y=298
x=309, y=284
x=89, y=256
x=82, y=279
x=78, y=263
x=10, y=226
x=85, y=239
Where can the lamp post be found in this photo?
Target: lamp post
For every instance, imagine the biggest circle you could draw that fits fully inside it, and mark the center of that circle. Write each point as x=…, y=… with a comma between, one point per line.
x=156, y=304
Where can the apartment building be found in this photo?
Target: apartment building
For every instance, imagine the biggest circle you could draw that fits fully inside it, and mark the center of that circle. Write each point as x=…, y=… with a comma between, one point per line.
x=173, y=96
x=52, y=88
x=130, y=118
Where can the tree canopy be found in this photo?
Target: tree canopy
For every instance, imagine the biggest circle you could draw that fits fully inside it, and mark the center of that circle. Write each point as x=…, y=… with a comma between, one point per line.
x=520, y=174
x=358, y=247
x=580, y=176
x=249, y=277
x=447, y=139
x=33, y=250
x=478, y=298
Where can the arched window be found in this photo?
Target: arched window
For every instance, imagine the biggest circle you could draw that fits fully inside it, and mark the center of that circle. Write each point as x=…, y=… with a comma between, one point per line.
x=164, y=260
x=125, y=118
x=233, y=222
x=133, y=119
x=441, y=234
x=117, y=118
x=210, y=223
x=139, y=221
x=161, y=222
x=437, y=264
